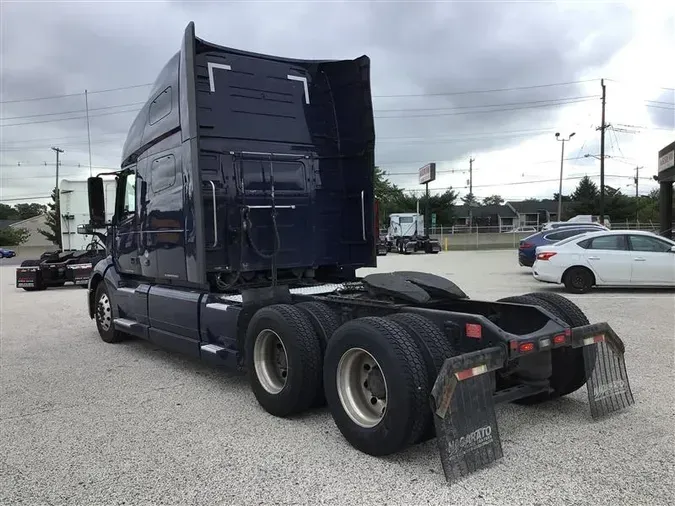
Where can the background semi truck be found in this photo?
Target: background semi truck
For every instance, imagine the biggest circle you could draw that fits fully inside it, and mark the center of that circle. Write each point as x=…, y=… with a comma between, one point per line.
x=406, y=234
x=245, y=207
x=80, y=247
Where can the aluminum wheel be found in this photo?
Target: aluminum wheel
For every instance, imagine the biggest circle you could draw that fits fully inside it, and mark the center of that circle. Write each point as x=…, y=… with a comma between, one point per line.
x=104, y=312
x=362, y=387
x=270, y=361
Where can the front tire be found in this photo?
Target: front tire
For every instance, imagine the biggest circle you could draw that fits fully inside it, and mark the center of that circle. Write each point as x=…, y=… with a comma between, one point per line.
x=376, y=385
x=104, y=316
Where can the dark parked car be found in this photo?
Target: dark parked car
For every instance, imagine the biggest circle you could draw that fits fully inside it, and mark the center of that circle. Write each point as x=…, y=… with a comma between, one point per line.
x=528, y=246
x=7, y=253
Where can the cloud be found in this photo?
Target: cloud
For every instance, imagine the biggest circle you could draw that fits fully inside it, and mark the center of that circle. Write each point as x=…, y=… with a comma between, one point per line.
x=662, y=110
x=425, y=57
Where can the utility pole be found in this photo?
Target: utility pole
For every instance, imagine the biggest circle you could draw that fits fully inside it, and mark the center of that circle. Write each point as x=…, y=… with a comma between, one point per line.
x=471, y=160
x=602, y=156
x=562, y=159
x=637, y=194
x=58, y=200
x=86, y=104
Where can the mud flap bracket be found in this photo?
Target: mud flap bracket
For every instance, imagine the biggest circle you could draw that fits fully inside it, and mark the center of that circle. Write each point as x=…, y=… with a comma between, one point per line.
x=607, y=380
x=464, y=416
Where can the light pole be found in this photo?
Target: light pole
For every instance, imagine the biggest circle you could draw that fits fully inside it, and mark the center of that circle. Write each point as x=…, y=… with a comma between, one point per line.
x=562, y=159
x=57, y=199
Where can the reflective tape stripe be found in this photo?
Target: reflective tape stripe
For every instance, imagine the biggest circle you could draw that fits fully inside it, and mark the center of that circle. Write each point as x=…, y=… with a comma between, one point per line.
x=470, y=373
x=594, y=339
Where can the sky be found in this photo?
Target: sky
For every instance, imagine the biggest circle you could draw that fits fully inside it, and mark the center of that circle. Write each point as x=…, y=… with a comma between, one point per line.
x=492, y=81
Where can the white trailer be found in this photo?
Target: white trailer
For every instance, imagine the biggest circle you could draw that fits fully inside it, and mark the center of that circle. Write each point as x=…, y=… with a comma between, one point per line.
x=74, y=207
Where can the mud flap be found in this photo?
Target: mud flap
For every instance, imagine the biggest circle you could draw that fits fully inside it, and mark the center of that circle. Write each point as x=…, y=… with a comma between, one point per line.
x=463, y=408
x=79, y=273
x=28, y=277
x=607, y=384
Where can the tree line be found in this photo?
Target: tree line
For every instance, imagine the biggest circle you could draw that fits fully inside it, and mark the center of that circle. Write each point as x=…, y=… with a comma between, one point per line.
x=585, y=199
x=15, y=236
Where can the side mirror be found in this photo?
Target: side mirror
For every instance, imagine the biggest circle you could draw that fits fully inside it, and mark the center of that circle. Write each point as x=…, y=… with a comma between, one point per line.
x=96, y=202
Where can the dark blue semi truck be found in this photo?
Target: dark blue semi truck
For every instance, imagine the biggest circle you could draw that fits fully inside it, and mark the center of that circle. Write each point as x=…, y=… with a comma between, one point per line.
x=244, y=208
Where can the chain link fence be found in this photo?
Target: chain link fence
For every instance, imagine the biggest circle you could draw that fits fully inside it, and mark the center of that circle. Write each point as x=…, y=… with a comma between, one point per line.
x=462, y=237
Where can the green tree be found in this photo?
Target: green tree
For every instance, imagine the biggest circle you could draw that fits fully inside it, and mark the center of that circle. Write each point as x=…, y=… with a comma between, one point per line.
x=493, y=200
x=469, y=199
x=8, y=212
x=53, y=221
x=648, y=207
x=585, y=197
x=391, y=198
x=26, y=211
x=13, y=236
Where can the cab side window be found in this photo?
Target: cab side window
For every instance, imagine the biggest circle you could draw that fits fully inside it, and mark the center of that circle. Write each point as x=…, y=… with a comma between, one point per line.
x=648, y=244
x=608, y=242
x=129, y=202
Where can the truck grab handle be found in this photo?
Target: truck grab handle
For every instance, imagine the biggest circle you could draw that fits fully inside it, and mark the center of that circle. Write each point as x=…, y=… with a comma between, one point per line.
x=215, y=215
x=363, y=215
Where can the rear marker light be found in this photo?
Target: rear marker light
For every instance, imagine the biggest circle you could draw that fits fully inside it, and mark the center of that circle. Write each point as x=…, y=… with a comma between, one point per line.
x=559, y=339
x=473, y=330
x=545, y=256
x=526, y=245
x=526, y=347
x=595, y=339
x=470, y=373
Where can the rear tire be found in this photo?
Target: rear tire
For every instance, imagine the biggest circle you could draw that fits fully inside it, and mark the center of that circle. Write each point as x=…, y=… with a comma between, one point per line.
x=569, y=366
x=325, y=323
x=578, y=280
x=283, y=358
x=435, y=349
x=376, y=385
x=524, y=328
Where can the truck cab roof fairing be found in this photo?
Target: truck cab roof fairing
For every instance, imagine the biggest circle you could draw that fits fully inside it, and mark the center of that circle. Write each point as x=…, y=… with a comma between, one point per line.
x=136, y=141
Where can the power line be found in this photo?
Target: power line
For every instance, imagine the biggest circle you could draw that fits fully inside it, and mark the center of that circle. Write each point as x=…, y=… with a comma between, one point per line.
x=525, y=105
x=623, y=81
x=69, y=119
x=73, y=111
x=536, y=106
x=482, y=112
x=50, y=97
x=495, y=90
x=490, y=105
x=32, y=197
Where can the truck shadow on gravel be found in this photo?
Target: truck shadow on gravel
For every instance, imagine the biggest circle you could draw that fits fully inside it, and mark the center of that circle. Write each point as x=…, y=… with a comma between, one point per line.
x=666, y=290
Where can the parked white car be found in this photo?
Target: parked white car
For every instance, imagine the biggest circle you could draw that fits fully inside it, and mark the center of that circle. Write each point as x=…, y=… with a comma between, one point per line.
x=607, y=258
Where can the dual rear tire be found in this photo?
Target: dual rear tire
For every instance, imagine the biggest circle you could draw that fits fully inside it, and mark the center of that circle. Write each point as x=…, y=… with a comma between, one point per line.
x=374, y=373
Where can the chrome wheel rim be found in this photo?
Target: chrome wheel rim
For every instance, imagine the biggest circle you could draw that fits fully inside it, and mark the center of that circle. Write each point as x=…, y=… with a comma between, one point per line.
x=362, y=387
x=270, y=361
x=104, y=312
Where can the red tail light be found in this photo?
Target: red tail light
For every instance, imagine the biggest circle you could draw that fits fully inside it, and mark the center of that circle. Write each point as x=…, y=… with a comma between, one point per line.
x=546, y=255
x=526, y=245
x=526, y=347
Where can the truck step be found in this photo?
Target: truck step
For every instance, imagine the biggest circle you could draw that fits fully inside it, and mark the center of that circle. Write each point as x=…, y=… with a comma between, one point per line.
x=219, y=355
x=130, y=327
x=212, y=348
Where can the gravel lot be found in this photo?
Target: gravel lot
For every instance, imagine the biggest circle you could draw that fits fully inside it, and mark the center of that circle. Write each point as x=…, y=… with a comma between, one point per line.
x=84, y=422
